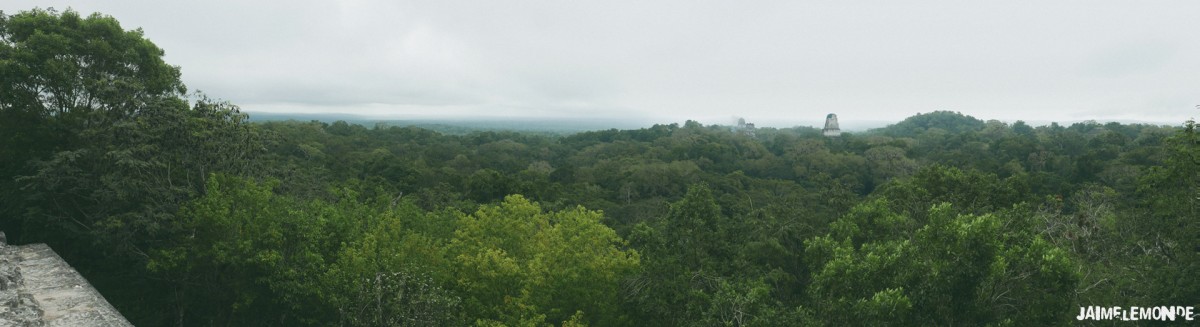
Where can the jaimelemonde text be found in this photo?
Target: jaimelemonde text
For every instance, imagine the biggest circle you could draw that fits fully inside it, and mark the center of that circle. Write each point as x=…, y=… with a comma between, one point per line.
x=1160, y=313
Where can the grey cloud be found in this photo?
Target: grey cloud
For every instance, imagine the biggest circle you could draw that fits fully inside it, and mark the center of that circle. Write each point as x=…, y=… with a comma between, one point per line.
x=766, y=61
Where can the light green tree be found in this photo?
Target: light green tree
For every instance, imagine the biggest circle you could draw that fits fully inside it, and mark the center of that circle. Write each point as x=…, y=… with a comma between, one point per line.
x=518, y=265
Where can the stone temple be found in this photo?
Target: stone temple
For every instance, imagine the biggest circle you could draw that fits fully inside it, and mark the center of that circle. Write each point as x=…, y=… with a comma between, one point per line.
x=38, y=288
x=831, y=126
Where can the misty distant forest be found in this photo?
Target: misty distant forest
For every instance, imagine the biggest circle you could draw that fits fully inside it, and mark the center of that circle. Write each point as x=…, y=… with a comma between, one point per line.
x=181, y=211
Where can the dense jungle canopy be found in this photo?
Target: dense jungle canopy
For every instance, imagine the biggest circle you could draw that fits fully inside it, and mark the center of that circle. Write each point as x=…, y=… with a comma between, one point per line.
x=182, y=212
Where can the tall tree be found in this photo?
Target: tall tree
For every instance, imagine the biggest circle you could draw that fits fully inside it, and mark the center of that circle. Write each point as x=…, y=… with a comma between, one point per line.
x=104, y=146
x=62, y=74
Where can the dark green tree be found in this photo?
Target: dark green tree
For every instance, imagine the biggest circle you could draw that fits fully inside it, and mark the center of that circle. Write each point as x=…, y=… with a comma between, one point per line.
x=118, y=149
x=60, y=74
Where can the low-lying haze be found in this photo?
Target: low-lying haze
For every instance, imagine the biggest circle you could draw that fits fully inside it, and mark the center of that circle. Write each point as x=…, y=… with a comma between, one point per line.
x=772, y=62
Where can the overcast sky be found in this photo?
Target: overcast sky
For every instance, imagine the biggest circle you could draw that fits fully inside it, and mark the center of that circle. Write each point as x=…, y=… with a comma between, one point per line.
x=770, y=62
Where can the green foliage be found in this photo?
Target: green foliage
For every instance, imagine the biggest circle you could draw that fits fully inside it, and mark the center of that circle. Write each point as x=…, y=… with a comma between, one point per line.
x=517, y=264
x=945, y=121
x=394, y=272
x=182, y=213
x=248, y=248
x=681, y=276
x=956, y=269
x=65, y=79
x=70, y=67
x=969, y=191
x=101, y=148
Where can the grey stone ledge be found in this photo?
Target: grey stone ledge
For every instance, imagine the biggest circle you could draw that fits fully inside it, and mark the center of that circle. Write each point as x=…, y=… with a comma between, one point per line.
x=38, y=288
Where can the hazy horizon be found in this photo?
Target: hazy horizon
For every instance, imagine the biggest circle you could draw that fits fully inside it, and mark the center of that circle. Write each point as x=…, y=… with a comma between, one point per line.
x=770, y=62
x=847, y=125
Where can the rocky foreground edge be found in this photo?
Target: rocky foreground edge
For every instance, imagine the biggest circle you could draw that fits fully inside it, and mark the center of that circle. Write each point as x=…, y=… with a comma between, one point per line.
x=38, y=288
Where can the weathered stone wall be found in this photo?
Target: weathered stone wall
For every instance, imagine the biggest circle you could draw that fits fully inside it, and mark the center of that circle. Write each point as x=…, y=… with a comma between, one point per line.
x=38, y=288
